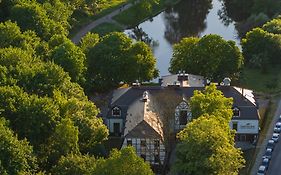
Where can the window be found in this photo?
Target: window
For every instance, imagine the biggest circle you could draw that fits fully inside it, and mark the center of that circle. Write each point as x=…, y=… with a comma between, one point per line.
x=183, y=117
x=143, y=143
x=156, y=143
x=116, y=112
x=234, y=125
x=156, y=158
x=129, y=142
x=143, y=156
x=236, y=112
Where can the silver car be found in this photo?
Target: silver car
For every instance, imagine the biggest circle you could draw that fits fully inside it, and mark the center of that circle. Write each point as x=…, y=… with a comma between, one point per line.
x=275, y=137
x=261, y=170
x=277, y=127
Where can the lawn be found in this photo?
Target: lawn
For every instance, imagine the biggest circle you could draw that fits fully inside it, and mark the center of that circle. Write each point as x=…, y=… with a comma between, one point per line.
x=81, y=18
x=128, y=17
x=106, y=28
x=260, y=81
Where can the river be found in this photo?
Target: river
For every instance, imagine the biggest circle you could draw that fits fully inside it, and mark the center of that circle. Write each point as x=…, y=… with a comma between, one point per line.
x=187, y=18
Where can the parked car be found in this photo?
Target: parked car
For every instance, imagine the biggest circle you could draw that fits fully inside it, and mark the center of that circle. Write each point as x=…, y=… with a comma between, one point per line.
x=277, y=127
x=265, y=162
x=261, y=170
x=275, y=137
x=267, y=154
x=270, y=144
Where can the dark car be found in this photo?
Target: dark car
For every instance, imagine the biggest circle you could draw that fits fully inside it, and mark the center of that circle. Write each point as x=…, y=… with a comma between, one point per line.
x=267, y=154
x=270, y=144
x=265, y=163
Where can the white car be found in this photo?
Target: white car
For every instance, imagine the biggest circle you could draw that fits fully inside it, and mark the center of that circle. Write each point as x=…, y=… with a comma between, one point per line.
x=277, y=127
x=261, y=170
x=275, y=137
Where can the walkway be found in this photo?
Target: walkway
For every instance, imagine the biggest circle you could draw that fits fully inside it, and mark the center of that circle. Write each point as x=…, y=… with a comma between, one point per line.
x=105, y=19
x=268, y=136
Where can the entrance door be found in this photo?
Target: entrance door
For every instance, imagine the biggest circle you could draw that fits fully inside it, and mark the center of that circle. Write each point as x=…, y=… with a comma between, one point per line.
x=116, y=128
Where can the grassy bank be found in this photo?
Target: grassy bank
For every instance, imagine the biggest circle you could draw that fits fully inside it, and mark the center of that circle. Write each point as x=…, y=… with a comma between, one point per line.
x=106, y=28
x=81, y=18
x=128, y=17
x=260, y=81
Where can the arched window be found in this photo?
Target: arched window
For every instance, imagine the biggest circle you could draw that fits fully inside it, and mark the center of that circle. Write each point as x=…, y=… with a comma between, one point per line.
x=116, y=112
x=182, y=115
x=236, y=112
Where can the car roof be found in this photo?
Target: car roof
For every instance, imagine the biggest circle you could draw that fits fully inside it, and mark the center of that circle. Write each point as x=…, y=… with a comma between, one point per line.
x=262, y=168
x=275, y=134
x=265, y=160
x=278, y=123
x=269, y=150
x=270, y=141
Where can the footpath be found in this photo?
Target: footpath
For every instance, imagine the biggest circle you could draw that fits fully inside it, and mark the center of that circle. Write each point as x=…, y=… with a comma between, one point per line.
x=105, y=19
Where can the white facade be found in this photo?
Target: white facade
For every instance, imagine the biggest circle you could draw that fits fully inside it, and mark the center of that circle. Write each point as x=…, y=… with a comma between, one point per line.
x=151, y=150
x=245, y=126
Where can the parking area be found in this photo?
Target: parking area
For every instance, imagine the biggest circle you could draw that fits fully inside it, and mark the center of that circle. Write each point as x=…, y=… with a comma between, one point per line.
x=269, y=157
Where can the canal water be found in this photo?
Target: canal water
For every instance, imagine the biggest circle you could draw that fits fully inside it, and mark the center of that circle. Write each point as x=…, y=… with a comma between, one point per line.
x=187, y=18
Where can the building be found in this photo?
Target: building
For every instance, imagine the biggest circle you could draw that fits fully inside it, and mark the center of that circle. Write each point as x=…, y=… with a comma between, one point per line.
x=135, y=115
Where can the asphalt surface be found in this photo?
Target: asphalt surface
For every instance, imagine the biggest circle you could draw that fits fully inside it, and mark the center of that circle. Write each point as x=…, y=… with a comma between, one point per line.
x=275, y=163
x=105, y=19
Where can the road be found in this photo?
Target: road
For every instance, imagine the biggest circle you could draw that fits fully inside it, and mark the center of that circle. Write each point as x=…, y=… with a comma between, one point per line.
x=275, y=166
x=105, y=19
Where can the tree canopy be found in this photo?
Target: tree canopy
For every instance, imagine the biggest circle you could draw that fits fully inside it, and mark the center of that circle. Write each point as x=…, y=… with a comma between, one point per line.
x=211, y=56
x=211, y=101
x=207, y=147
x=117, y=59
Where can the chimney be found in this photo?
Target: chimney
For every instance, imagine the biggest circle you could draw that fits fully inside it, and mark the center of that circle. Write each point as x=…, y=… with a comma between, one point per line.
x=182, y=77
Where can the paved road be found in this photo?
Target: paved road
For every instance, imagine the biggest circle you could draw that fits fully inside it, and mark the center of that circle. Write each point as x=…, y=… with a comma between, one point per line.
x=275, y=166
x=93, y=24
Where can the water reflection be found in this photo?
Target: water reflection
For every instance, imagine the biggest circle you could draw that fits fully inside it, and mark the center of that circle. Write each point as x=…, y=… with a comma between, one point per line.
x=188, y=18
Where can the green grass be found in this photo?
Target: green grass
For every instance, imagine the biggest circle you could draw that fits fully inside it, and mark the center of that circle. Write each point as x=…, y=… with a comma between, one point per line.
x=106, y=28
x=260, y=81
x=82, y=18
x=128, y=17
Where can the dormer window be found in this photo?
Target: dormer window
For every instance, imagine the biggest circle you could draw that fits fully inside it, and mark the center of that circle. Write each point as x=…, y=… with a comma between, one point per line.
x=116, y=112
x=236, y=112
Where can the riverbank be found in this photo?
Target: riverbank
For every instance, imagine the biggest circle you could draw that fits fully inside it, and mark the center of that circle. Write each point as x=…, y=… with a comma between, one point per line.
x=128, y=17
x=80, y=19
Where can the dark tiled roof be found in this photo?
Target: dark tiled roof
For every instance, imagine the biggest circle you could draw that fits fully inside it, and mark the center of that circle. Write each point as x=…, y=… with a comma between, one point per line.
x=134, y=93
x=143, y=130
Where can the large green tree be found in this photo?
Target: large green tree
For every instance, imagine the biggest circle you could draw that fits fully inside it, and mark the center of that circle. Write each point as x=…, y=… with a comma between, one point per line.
x=211, y=101
x=71, y=58
x=211, y=56
x=125, y=162
x=16, y=156
x=207, y=147
x=116, y=58
x=32, y=16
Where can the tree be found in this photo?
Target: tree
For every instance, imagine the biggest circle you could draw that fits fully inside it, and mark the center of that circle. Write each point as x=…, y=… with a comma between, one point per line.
x=212, y=102
x=207, y=147
x=32, y=16
x=211, y=56
x=74, y=164
x=124, y=162
x=273, y=26
x=12, y=36
x=16, y=156
x=89, y=41
x=63, y=141
x=115, y=58
x=72, y=59
x=261, y=49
